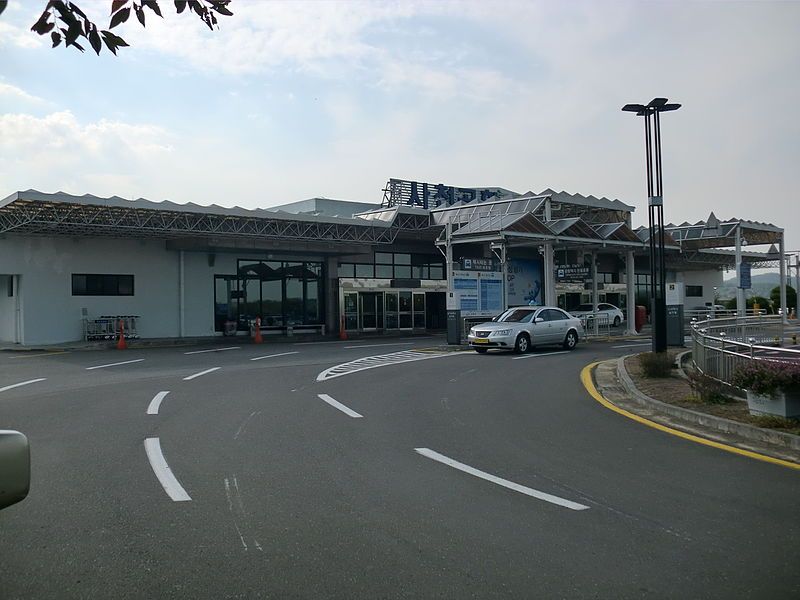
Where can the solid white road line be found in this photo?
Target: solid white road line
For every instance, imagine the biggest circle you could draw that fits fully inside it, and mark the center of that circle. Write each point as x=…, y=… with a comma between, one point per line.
x=632, y=345
x=274, y=355
x=206, y=372
x=339, y=405
x=155, y=403
x=537, y=355
x=379, y=345
x=502, y=482
x=164, y=474
x=213, y=350
x=20, y=384
x=116, y=364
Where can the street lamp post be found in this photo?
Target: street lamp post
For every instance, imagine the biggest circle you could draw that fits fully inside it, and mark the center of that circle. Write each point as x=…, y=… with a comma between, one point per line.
x=658, y=276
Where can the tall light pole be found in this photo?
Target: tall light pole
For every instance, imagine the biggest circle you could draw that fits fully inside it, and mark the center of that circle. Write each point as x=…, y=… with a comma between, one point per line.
x=658, y=276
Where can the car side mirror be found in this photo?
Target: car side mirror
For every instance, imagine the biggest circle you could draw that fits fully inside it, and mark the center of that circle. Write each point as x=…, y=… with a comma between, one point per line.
x=15, y=467
x=539, y=320
x=494, y=319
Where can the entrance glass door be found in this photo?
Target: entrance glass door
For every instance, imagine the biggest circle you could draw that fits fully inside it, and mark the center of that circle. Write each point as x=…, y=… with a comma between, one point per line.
x=371, y=310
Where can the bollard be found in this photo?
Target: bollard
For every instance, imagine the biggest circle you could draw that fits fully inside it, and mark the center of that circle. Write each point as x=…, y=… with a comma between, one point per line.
x=342, y=331
x=257, y=339
x=121, y=345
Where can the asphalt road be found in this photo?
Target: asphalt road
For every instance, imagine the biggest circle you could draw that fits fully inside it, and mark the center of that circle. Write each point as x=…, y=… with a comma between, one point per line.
x=367, y=491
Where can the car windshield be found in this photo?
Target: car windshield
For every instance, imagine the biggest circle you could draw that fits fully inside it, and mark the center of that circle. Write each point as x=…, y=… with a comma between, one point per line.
x=585, y=307
x=515, y=316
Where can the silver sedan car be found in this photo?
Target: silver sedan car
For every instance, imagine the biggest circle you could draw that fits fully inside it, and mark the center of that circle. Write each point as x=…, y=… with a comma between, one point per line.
x=519, y=329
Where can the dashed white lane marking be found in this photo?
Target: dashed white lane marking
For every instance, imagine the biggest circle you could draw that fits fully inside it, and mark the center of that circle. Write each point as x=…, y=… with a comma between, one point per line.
x=274, y=355
x=201, y=373
x=538, y=355
x=382, y=360
x=43, y=354
x=502, y=482
x=164, y=474
x=116, y=364
x=339, y=405
x=213, y=350
x=632, y=345
x=155, y=403
x=21, y=383
x=380, y=345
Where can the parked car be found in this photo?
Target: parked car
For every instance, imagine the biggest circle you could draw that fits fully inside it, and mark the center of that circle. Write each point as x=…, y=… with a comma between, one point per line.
x=519, y=329
x=605, y=312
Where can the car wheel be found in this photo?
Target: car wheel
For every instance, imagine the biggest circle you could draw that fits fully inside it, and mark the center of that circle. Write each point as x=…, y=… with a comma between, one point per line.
x=523, y=344
x=617, y=321
x=480, y=350
x=571, y=340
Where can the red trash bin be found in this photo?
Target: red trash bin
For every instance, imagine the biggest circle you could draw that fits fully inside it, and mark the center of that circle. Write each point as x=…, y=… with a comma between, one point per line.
x=641, y=318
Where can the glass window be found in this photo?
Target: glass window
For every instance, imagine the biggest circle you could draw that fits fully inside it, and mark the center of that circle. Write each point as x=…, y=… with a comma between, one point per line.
x=419, y=320
x=347, y=270
x=350, y=301
x=419, y=302
x=402, y=259
x=313, y=302
x=695, y=291
x=383, y=271
x=365, y=271
x=383, y=258
x=250, y=302
x=293, y=298
x=249, y=268
x=418, y=271
x=84, y=284
x=437, y=272
x=517, y=316
x=405, y=320
x=402, y=271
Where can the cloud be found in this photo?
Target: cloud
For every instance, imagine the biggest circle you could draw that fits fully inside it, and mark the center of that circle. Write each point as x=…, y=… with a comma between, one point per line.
x=11, y=35
x=14, y=93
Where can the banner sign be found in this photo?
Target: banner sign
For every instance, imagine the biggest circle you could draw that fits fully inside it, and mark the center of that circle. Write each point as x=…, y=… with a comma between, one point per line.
x=524, y=282
x=745, y=280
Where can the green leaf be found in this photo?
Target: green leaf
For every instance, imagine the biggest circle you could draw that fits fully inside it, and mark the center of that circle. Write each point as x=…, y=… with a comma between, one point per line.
x=75, y=30
x=180, y=5
x=140, y=15
x=120, y=17
x=78, y=46
x=117, y=4
x=56, y=37
x=153, y=5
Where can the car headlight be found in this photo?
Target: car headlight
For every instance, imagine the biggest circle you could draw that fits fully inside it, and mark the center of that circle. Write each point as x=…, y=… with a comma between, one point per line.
x=501, y=332
x=472, y=331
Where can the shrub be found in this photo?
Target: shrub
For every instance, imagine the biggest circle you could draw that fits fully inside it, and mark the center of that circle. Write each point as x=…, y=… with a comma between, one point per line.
x=774, y=422
x=655, y=364
x=767, y=377
x=707, y=389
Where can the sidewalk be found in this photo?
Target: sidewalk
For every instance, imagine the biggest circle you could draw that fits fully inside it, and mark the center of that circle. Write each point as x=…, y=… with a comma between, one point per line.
x=615, y=386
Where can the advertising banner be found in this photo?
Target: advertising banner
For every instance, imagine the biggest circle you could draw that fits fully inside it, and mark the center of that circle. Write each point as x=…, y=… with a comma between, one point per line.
x=524, y=283
x=478, y=293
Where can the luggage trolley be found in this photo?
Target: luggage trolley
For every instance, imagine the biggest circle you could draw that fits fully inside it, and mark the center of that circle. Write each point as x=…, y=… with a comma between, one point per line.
x=106, y=327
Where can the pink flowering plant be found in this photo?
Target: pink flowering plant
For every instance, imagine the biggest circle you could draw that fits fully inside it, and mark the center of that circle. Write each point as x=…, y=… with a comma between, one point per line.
x=768, y=377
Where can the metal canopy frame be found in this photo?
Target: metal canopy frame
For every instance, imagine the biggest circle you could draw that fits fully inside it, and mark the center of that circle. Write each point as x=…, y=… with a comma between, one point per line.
x=34, y=213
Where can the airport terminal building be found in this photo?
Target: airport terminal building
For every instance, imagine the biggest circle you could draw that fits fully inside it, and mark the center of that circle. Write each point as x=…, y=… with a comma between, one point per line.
x=317, y=265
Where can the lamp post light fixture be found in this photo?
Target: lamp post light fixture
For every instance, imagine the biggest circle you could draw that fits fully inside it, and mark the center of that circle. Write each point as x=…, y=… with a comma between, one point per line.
x=652, y=139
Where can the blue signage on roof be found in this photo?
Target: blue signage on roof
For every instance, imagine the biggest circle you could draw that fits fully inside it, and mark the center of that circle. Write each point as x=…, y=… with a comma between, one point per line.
x=434, y=195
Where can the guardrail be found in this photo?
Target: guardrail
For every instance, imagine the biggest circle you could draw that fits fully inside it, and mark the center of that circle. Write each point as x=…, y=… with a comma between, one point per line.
x=720, y=346
x=596, y=324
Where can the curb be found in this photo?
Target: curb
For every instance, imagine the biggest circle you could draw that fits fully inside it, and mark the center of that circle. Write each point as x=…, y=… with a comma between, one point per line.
x=749, y=432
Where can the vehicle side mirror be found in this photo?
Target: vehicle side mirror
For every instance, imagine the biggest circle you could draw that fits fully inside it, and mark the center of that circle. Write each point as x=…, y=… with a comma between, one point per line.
x=539, y=320
x=494, y=318
x=15, y=467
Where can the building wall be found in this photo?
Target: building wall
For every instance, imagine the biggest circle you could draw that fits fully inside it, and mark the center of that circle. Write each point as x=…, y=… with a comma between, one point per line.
x=7, y=306
x=51, y=314
x=707, y=279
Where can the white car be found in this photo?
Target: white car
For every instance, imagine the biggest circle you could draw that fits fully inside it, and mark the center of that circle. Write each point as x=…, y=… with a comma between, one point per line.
x=521, y=328
x=606, y=313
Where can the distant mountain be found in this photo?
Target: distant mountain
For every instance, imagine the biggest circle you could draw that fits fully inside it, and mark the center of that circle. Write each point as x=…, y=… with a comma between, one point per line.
x=763, y=284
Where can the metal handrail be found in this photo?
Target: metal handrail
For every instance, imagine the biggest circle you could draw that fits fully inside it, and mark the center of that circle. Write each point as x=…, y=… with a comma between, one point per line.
x=720, y=346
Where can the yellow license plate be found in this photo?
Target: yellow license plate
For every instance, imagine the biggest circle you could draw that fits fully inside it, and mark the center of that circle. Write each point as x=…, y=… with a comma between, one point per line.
x=480, y=341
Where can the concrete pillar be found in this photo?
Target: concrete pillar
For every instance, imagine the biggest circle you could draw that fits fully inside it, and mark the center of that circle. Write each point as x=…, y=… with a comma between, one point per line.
x=630, y=281
x=549, y=275
x=796, y=285
x=594, y=292
x=448, y=233
x=181, y=295
x=741, y=306
x=782, y=250
x=332, y=316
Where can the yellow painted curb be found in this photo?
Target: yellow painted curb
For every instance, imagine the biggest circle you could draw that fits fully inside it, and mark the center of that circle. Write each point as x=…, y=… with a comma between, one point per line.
x=586, y=379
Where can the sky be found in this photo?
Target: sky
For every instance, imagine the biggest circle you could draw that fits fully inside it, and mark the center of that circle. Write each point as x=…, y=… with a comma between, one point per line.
x=292, y=100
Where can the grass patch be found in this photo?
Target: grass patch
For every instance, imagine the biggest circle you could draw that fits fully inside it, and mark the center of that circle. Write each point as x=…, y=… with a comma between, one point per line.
x=775, y=422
